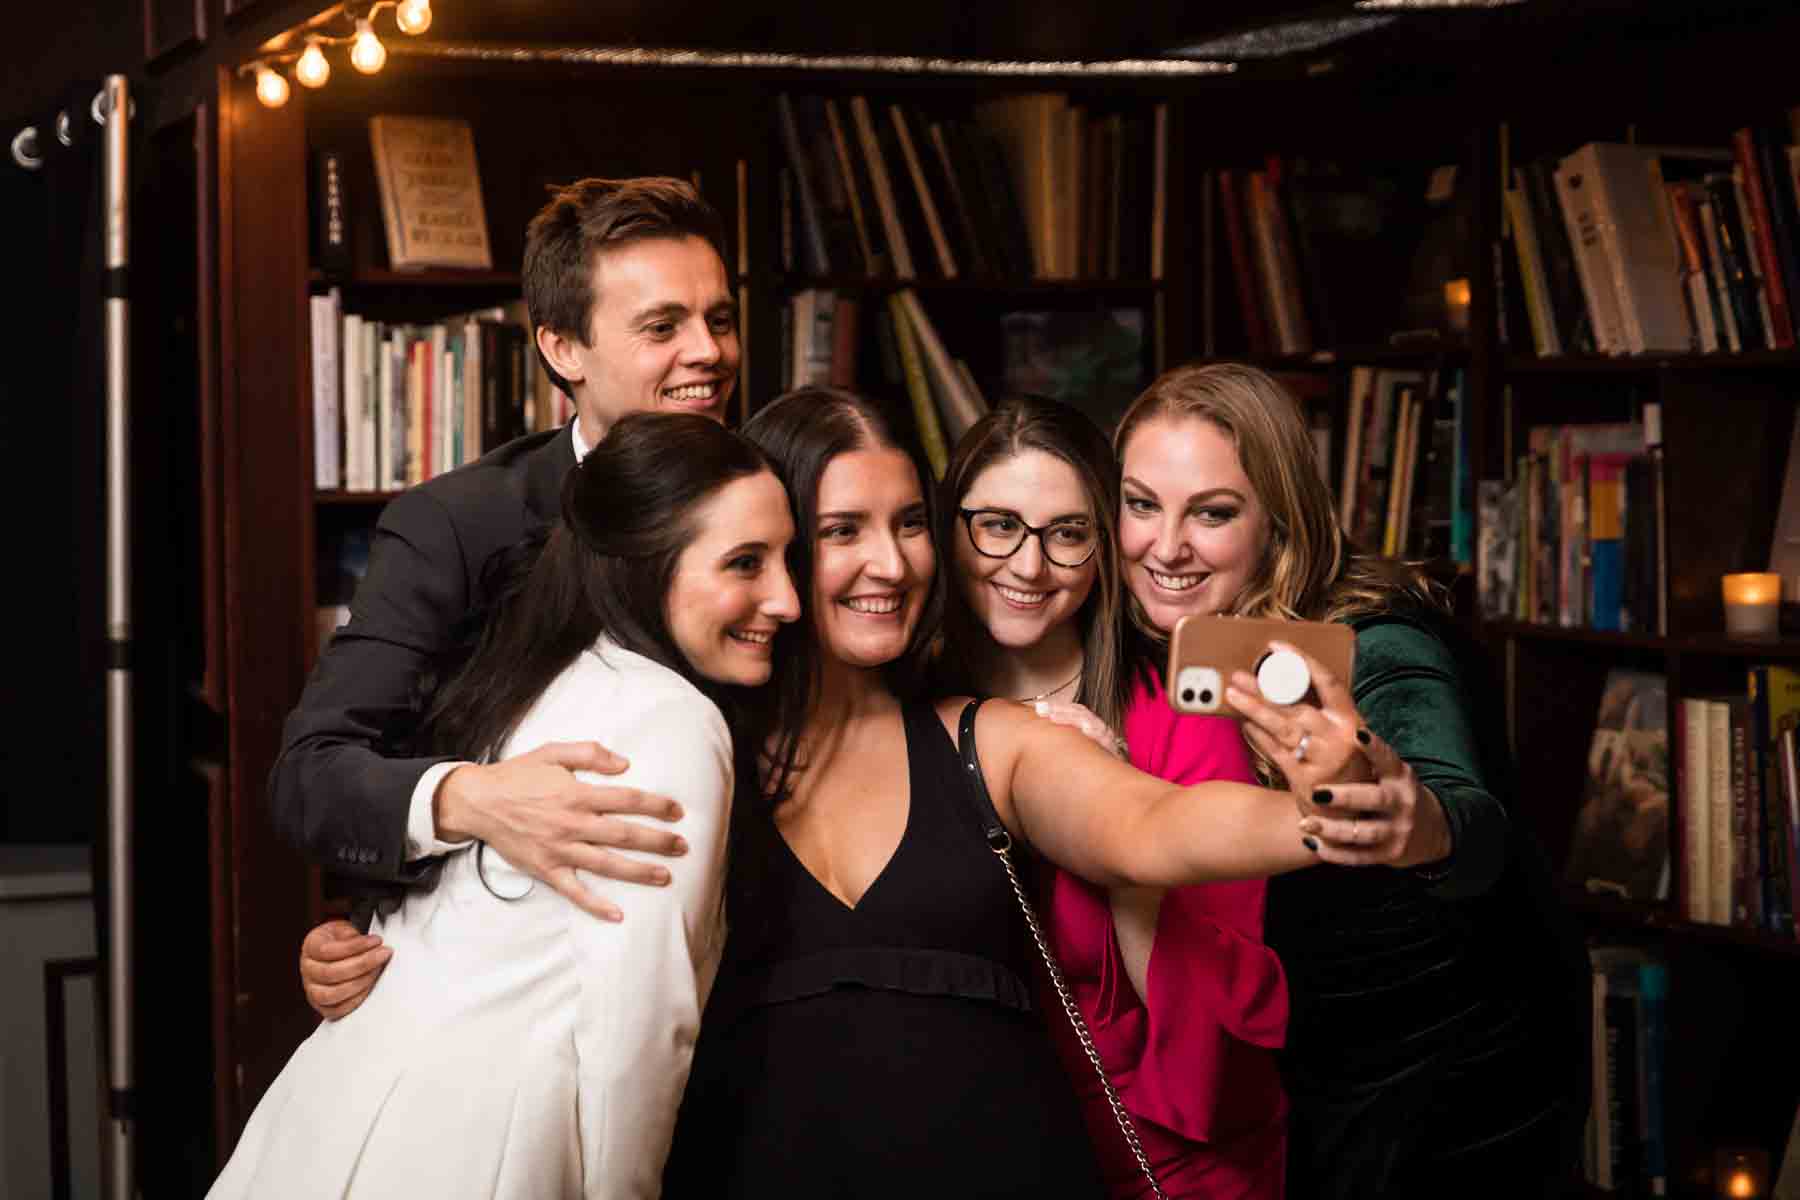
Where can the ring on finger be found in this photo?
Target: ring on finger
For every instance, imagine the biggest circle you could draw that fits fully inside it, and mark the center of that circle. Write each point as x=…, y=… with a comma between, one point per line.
x=1300, y=747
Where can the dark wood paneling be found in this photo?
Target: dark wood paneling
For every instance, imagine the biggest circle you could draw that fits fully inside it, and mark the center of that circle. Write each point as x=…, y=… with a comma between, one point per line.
x=266, y=513
x=171, y=25
x=1726, y=439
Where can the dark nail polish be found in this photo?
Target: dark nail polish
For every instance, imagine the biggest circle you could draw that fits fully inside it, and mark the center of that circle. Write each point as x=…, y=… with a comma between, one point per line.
x=1362, y=735
x=1322, y=796
x=1310, y=844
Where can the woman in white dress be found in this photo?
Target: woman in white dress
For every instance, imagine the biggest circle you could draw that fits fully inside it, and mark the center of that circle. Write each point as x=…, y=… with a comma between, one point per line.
x=519, y=1047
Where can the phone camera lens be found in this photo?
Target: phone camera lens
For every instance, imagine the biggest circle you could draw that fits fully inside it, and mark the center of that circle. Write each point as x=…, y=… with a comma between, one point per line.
x=1206, y=697
x=1187, y=695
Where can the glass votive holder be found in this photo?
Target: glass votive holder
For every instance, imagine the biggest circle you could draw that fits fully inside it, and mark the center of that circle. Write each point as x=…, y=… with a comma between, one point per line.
x=1740, y=1174
x=1752, y=604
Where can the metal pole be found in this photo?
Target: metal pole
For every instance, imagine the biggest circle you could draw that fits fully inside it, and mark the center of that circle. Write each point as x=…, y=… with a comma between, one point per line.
x=113, y=107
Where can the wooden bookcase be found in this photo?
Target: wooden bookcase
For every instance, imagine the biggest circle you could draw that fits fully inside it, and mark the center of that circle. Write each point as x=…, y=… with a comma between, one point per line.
x=1734, y=1065
x=534, y=127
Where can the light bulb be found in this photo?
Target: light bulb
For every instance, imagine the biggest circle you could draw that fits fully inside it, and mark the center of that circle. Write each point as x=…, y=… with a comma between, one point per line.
x=312, y=70
x=271, y=88
x=367, y=54
x=413, y=16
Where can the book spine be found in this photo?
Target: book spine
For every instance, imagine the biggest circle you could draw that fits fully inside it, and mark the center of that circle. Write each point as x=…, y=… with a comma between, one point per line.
x=918, y=389
x=915, y=169
x=1718, y=791
x=333, y=229
x=1159, y=190
x=1696, y=279
x=1707, y=221
x=883, y=187
x=1601, y=1045
x=962, y=201
x=1743, y=860
x=1243, y=267
x=860, y=217
x=1760, y=232
x=1274, y=289
x=327, y=412
x=816, y=260
x=1653, y=993
x=1696, y=815
x=1589, y=253
x=961, y=409
x=1788, y=761
x=1531, y=277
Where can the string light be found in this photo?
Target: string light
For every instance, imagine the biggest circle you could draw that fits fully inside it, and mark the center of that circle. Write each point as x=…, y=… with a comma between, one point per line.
x=313, y=69
x=271, y=88
x=413, y=16
x=367, y=54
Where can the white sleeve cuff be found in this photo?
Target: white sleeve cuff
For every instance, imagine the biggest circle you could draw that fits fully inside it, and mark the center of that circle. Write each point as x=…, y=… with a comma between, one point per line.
x=421, y=829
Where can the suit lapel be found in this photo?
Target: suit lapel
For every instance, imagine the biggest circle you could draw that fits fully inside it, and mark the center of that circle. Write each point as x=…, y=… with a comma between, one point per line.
x=544, y=474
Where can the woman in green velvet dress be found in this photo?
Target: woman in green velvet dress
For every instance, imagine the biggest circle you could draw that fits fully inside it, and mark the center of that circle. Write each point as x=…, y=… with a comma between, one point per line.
x=1438, y=1034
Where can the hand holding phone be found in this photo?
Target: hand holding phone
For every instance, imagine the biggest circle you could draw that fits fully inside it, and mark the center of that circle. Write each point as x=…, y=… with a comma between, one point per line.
x=1205, y=651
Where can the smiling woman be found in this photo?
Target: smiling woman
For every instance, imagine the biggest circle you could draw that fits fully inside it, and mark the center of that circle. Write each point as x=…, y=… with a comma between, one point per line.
x=874, y=1020
x=518, y=1046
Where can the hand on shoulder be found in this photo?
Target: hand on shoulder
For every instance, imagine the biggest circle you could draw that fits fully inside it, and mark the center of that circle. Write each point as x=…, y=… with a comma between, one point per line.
x=542, y=819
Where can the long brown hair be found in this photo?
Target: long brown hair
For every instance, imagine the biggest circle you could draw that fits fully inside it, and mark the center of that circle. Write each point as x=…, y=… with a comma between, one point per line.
x=1109, y=645
x=801, y=432
x=627, y=514
x=1311, y=569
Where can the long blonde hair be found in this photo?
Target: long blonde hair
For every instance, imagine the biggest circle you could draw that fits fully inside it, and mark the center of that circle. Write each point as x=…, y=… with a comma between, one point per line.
x=1311, y=569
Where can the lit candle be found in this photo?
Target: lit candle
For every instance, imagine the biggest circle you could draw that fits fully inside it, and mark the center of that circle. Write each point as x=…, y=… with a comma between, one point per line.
x=1740, y=1174
x=1752, y=603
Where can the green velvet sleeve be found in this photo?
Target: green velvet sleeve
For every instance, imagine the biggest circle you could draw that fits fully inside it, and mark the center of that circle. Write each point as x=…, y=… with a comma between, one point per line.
x=1408, y=689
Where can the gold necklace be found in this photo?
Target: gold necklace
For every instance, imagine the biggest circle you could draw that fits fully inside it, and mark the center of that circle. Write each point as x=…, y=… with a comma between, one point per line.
x=1059, y=687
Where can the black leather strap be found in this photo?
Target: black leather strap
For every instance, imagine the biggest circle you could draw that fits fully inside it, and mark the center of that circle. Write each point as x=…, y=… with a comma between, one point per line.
x=991, y=827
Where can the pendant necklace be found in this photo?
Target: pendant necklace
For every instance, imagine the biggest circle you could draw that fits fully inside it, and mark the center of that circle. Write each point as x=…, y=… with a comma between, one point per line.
x=1059, y=687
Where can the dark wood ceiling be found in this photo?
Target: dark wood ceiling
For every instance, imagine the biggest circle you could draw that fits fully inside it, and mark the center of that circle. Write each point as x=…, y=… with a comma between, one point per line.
x=1057, y=29
x=1062, y=29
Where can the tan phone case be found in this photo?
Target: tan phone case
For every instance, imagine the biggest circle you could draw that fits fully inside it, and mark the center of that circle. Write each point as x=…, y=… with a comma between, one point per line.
x=1204, y=651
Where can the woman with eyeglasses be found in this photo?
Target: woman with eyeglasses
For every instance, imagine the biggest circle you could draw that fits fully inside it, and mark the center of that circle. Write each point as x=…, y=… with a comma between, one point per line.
x=1185, y=1004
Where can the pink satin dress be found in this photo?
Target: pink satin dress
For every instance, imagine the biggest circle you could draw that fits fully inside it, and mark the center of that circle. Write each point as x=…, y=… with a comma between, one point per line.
x=1195, y=1061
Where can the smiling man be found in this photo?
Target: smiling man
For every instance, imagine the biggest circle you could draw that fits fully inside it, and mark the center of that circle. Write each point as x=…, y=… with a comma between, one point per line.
x=632, y=310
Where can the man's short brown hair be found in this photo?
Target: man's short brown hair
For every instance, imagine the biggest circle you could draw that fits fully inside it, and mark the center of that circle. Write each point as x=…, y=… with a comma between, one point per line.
x=592, y=215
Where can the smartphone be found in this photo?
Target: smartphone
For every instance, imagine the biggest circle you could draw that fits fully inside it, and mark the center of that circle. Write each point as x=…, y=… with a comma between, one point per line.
x=1205, y=650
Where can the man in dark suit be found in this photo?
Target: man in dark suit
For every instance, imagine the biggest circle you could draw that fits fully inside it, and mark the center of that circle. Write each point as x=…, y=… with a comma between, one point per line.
x=632, y=309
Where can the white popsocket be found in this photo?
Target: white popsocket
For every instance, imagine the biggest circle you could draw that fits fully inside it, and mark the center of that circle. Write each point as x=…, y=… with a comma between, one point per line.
x=1282, y=677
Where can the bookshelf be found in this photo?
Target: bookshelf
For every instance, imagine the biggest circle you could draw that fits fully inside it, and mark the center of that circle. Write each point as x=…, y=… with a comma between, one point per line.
x=533, y=128
x=1726, y=416
x=1733, y=1060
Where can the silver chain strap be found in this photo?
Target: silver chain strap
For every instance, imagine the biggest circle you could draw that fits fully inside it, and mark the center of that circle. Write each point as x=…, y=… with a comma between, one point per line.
x=1075, y=1018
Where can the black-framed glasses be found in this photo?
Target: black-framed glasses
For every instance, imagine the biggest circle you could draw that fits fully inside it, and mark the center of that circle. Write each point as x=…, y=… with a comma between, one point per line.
x=999, y=532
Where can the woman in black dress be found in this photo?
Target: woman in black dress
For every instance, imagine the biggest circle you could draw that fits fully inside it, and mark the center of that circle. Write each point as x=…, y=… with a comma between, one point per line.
x=872, y=1033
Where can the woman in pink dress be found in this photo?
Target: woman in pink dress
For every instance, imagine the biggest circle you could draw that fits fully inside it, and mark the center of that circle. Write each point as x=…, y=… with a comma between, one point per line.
x=1186, y=1005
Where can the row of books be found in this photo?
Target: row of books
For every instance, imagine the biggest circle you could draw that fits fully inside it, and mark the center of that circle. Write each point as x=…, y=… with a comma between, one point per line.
x=822, y=349
x=1731, y=817
x=1294, y=238
x=395, y=404
x=1405, y=479
x=1627, y=1146
x=1738, y=789
x=1575, y=537
x=1029, y=186
x=1625, y=248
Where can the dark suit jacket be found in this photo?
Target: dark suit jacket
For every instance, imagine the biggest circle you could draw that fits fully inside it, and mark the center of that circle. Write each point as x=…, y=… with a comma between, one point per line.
x=332, y=793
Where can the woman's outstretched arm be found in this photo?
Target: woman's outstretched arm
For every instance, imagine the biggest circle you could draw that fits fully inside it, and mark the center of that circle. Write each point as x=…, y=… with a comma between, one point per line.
x=1112, y=824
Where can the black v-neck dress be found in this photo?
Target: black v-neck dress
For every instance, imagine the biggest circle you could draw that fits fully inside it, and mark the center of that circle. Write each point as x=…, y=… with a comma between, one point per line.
x=891, y=1049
